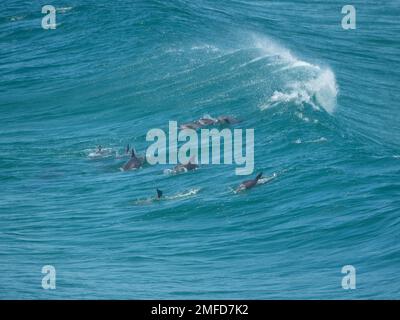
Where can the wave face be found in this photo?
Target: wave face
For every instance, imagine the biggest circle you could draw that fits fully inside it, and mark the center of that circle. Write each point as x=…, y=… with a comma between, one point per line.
x=324, y=105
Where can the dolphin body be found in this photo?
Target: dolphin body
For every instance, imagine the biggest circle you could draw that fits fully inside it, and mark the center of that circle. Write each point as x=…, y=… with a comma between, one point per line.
x=227, y=120
x=204, y=122
x=191, y=125
x=248, y=184
x=133, y=163
x=186, y=167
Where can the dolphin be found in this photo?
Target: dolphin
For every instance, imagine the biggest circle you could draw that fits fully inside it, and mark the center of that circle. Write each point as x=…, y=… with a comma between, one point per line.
x=186, y=167
x=206, y=121
x=226, y=120
x=248, y=184
x=191, y=125
x=133, y=163
x=202, y=122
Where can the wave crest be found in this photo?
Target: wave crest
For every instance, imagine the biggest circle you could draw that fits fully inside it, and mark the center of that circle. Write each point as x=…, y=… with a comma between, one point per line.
x=311, y=84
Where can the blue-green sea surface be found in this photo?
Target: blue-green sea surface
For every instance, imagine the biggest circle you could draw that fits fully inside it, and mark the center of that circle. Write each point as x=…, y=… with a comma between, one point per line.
x=324, y=106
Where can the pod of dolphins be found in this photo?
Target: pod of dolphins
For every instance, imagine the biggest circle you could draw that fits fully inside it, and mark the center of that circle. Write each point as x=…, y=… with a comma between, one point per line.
x=136, y=162
x=203, y=122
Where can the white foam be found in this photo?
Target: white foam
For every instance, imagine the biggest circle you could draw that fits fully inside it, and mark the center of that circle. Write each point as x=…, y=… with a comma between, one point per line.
x=319, y=140
x=302, y=117
x=322, y=139
x=255, y=60
x=175, y=171
x=17, y=18
x=63, y=9
x=267, y=179
x=318, y=88
x=184, y=194
x=206, y=47
x=317, y=92
x=95, y=153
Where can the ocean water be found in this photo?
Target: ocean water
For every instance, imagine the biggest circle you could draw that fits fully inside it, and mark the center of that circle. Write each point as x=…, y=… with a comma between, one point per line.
x=324, y=104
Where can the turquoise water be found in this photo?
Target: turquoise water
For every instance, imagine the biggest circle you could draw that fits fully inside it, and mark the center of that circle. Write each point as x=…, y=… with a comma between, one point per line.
x=324, y=104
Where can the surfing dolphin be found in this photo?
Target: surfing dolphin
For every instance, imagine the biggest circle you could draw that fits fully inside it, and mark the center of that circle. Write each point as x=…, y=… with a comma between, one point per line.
x=186, y=167
x=159, y=194
x=226, y=120
x=202, y=122
x=248, y=184
x=191, y=125
x=206, y=121
x=133, y=163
